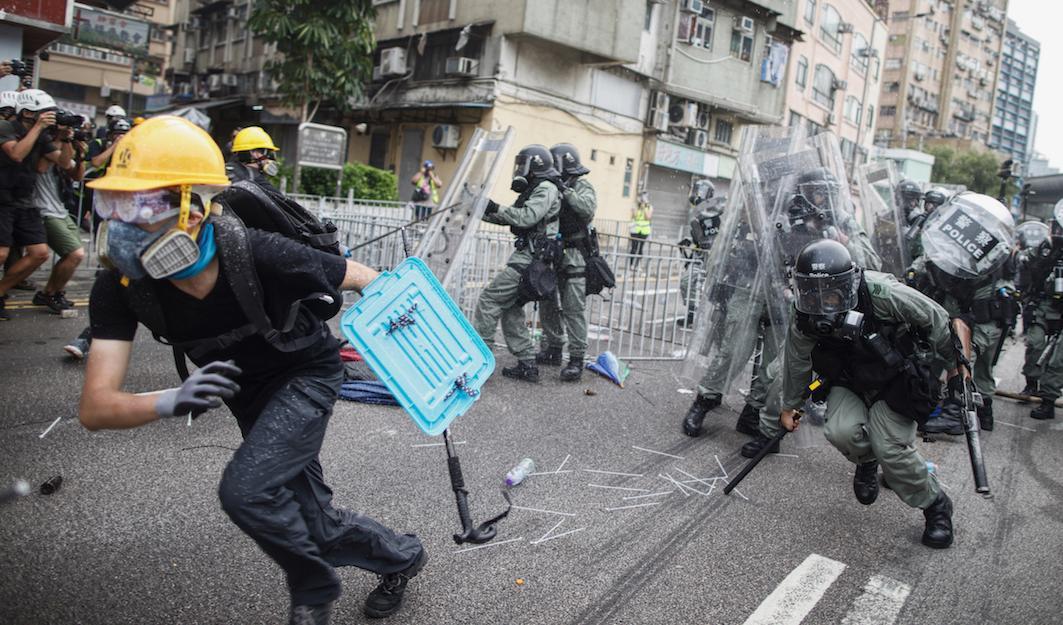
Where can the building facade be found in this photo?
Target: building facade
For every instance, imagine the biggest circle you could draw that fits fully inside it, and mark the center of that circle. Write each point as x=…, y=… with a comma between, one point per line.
x=27, y=28
x=836, y=71
x=940, y=72
x=1014, y=122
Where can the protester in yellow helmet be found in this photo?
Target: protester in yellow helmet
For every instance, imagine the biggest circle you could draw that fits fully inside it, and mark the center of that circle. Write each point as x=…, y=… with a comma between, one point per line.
x=254, y=156
x=138, y=120
x=248, y=308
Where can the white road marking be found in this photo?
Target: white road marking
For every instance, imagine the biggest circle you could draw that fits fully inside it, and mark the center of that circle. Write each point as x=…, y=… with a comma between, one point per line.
x=544, y=511
x=511, y=540
x=880, y=604
x=633, y=490
x=637, y=505
x=798, y=593
x=613, y=473
x=660, y=453
x=721, y=465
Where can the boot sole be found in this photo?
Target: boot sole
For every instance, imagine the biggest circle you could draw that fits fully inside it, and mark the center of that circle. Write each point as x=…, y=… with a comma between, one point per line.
x=936, y=545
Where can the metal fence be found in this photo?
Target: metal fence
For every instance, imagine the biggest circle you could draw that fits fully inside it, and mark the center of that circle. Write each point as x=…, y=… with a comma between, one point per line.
x=642, y=318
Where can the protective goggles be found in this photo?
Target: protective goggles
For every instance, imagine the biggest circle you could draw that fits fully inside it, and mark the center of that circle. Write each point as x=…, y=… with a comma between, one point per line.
x=824, y=295
x=140, y=207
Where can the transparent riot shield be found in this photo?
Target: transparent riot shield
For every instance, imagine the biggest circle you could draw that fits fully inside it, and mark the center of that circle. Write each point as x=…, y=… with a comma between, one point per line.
x=882, y=216
x=455, y=222
x=729, y=315
x=970, y=236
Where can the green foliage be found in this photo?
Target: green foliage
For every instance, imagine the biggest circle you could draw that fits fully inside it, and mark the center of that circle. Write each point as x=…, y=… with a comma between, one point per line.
x=326, y=49
x=368, y=183
x=977, y=171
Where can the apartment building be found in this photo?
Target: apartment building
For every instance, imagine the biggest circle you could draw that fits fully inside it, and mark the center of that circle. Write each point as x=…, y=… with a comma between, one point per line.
x=27, y=28
x=836, y=72
x=87, y=75
x=1014, y=122
x=940, y=72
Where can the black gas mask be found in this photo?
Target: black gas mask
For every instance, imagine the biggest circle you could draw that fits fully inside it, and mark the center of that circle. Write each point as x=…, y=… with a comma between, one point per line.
x=846, y=325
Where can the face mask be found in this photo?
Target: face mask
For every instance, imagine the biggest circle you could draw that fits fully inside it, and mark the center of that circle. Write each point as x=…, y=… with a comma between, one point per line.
x=844, y=325
x=270, y=167
x=138, y=253
x=519, y=184
x=120, y=244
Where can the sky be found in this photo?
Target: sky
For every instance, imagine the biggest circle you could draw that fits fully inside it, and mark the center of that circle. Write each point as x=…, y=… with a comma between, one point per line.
x=1040, y=19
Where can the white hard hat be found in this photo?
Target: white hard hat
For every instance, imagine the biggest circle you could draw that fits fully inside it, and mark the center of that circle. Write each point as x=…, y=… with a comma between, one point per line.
x=8, y=99
x=115, y=111
x=33, y=100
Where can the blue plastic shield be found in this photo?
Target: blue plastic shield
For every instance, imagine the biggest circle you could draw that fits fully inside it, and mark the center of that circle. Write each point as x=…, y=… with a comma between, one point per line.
x=414, y=337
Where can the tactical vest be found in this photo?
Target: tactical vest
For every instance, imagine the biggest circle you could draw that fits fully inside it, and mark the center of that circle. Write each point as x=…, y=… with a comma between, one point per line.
x=572, y=227
x=539, y=228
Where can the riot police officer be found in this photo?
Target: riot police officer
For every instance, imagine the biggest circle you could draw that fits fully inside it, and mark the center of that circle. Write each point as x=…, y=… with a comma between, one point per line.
x=1034, y=262
x=529, y=274
x=817, y=207
x=872, y=340
x=910, y=197
x=578, y=203
x=704, y=228
x=1047, y=301
x=933, y=199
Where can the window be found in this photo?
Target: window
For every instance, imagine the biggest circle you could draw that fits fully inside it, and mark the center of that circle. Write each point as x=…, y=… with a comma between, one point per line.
x=853, y=110
x=828, y=28
x=724, y=130
x=823, y=86
x=629, y=168
x=802, y=73
x=860, y=53
x=704, y=28
x=648, y=23
x=810, y=11
x=795, y=119
x=870, y=116
x=742, y=43
x=887, y=111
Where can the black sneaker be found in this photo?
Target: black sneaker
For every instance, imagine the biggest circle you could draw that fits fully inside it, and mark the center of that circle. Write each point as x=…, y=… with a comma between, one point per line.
x=61, y=296
x=310, y=614
x=78, y=348
x=386, y=598
x=4, y=316
x=523, y=370
x=54, y=302
x=549, y=356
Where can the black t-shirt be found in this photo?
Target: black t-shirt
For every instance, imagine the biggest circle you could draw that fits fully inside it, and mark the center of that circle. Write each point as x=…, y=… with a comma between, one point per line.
x=19, y=179
x=287, y=271
x=96, y=147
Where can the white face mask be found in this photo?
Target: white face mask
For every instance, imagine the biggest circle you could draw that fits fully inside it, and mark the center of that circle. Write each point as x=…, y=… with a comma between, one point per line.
x=270, y=167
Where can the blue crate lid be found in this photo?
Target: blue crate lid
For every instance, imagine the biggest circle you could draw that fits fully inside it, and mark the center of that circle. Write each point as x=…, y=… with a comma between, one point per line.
x=414, y=337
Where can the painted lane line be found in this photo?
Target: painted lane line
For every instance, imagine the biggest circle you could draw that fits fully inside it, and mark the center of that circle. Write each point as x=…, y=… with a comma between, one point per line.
x=563, y=463
x=561, y=535
x=1012, y=425
x=663, y=492
x=659, y=453
x=49, y=428
x=544, y=511
x=436, y=444
x=633, y=490
x=637, y=505
x=511, y=540
x=880, y=604
x=613, y=473
x=551, y=531
x=798, y=593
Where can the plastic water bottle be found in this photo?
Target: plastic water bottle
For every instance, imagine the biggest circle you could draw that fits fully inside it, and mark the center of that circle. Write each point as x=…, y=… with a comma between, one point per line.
x=931, y=468
x=517, y=474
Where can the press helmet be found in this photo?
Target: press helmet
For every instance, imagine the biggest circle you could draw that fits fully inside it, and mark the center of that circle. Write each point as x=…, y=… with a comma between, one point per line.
x=34, y=100
x=567, y=161
x=8, y=99
x=114, y=111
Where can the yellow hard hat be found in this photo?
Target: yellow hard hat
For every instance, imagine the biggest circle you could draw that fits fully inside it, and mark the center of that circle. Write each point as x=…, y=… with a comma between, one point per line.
x=253, y=138
x=138, y=120
x=164, y=151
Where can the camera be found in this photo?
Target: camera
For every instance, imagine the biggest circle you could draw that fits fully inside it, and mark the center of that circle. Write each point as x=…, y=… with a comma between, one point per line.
x=83, y=135
x=20, y=68
x=68, y=119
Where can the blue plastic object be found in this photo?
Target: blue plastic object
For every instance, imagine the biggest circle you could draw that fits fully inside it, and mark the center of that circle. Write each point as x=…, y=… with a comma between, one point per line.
x=414, y=337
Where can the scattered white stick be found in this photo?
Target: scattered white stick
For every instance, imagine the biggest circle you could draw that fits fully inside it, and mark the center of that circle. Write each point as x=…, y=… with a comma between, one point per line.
x=511, y=540
x=1012, y=425
x=660, y=453
x=663, y=492
x=682, y=488
x=543, y=540
x=544, y=536
x=739, y=493
x=563, y=463
x=613, y=473
x=694, y=478
x=49, y=428
x=436, y=444
x=725, y=474
x=633, y=490
x=637, y=505
x=544, y=511
x=684, y=391
x=785, y=455
x=551, y=472
x=682, y=485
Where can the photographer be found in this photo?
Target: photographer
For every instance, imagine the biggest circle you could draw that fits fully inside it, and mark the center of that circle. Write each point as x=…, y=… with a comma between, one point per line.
x=426, y=186
x=24, y=141
x=113, y=114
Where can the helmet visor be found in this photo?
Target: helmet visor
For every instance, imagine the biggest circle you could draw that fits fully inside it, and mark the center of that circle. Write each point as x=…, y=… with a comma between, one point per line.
x=138, y=207
x=522, y=165
x=826, y=294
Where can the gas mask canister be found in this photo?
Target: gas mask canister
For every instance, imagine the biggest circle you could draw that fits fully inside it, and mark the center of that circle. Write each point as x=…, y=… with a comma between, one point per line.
x=171, y=251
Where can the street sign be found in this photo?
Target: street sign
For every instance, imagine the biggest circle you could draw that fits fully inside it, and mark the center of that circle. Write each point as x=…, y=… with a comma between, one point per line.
x=111, y=30
x=322, y=146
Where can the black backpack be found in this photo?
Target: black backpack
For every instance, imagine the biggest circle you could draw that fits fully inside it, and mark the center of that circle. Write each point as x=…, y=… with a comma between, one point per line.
x=265, y=208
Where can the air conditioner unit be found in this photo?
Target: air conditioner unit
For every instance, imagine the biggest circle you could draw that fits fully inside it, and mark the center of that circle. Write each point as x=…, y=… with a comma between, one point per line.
x=697, y=138
x=190, y=56
x=462, y=66
x=744, y=24
x=446, y=136
x=703, y=117
x=214, y=83
x=658, y=120
x=919, y=76
x=232, y=13
x=393, y=62
x=832, y=119
x=691, y=6
x=230, y=80
x=659, y=100
x=840, y=85
x=377, y=76
x=684, y=114
x=845, y=27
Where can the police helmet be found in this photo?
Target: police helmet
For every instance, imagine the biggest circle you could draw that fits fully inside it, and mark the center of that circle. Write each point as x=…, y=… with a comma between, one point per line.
x=818, y=181
x=825, y=278
x=701, y=191
x=534, y=161
x=935, y=197
x=566, y=160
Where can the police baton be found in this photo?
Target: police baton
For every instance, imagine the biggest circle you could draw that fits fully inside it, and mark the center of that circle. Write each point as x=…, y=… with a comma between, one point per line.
x=766, y=449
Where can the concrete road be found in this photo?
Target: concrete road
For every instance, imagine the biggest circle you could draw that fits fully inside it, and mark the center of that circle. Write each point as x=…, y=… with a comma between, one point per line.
x=603, y=536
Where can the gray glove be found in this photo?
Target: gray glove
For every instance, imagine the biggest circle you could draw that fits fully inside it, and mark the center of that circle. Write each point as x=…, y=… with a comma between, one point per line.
x=203, y=390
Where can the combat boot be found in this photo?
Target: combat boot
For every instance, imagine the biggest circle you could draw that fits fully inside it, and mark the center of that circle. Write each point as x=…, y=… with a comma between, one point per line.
x=949, y=421
x=938, y=532
x=549, y=356
x=753, y=447
x=1030, y=390
x=523, y=370
x=573, y=371
x=1047, y=409
x=749, y=421
x=985, y=414
x=696, y=415
x=865, y=482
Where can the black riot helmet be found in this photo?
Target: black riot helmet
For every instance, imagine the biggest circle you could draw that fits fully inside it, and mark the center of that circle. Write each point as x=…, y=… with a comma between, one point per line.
x=566, y=160
x=819, y=186
x=934, y=198
x=701, y=191
x=909, y=195
x=826, y=283
x=532, y=162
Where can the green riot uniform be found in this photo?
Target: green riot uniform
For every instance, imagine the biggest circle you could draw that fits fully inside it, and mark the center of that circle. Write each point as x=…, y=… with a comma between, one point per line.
x=1046, y=321
x=535, y=213
x=859, y=422
x=859, y=244
x=578, y=204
